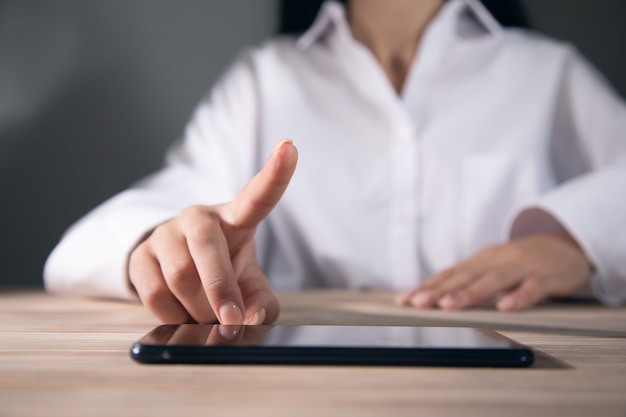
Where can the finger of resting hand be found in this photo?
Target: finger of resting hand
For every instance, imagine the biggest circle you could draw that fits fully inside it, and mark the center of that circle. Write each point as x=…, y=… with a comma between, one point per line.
x=457, y=276
x=427, y=294
x=441, y=287
x=418, y=297
x=145, y=275
x=481, y=289
x=449, y=287
x=257, y=199
x=456, y=281
x=532, y=290
x=209, y=251
x=179, y=272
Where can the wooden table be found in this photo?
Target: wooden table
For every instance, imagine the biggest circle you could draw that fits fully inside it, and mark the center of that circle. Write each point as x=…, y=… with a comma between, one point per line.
x=69, y=357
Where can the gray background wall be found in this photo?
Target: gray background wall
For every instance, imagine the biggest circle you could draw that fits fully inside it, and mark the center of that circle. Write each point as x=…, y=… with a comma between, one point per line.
x=92, y=92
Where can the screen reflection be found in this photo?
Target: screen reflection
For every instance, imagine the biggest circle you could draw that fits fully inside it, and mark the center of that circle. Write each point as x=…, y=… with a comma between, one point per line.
x=325, y=336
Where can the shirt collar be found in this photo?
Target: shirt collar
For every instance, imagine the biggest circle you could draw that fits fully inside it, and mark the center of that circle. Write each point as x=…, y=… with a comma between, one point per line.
x=332, y=16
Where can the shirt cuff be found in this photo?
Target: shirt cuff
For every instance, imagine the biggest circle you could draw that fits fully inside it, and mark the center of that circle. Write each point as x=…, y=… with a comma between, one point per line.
x=590, y=209
x=92, y=258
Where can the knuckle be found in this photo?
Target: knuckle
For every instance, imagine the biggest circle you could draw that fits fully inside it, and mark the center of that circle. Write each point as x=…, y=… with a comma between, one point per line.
x=137, y=261
x=534, y=282
x=162, y=231
x=138, y=255
x=193, y=212
x=535, y=287
x=219, y=288
x=202, y=229
x=493, y=280
x=441, y=277
x=488, y=286
x=153, y=295
x=180, y=273
x=447, y=273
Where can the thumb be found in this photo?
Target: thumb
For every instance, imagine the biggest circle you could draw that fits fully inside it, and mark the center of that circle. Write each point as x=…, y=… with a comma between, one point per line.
x=257, y=199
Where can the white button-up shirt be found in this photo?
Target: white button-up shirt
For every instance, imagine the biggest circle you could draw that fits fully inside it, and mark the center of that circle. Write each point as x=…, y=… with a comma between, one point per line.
x=496, y=134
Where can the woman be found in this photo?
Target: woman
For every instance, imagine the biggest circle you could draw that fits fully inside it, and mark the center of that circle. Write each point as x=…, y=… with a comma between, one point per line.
x=438, y=154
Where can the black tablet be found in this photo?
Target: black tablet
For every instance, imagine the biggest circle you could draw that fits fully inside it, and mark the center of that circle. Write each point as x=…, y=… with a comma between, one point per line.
x=330, y=345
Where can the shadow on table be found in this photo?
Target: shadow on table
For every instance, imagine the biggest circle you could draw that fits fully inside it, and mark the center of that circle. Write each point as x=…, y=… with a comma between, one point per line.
x=545, y=361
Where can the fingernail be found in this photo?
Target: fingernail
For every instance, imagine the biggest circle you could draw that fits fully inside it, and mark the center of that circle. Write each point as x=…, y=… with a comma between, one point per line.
x=229, y=332
x=423, y=299
x=452, y=301
x=506, y=304
x=258, y=318
x=230, y=313
x=281, y=143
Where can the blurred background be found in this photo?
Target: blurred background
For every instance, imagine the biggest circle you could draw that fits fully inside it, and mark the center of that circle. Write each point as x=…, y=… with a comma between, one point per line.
x=92, y=92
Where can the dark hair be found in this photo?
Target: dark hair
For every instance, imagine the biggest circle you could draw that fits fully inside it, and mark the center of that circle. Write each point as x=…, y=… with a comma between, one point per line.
x=297, y=15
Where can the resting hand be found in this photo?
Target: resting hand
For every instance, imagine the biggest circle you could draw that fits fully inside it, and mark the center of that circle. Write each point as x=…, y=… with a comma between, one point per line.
x=202, y=264
x=522, y=273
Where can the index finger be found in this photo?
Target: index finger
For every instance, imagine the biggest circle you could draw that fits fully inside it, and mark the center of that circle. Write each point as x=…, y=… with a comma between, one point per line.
x=257, y=199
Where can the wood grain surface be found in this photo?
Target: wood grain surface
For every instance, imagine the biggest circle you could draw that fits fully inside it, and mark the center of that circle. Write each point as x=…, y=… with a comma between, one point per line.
x=70, y=357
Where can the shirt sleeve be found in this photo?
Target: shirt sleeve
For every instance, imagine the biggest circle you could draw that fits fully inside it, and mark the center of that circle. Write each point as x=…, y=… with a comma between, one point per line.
x=209, y=165
x=588, y=153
